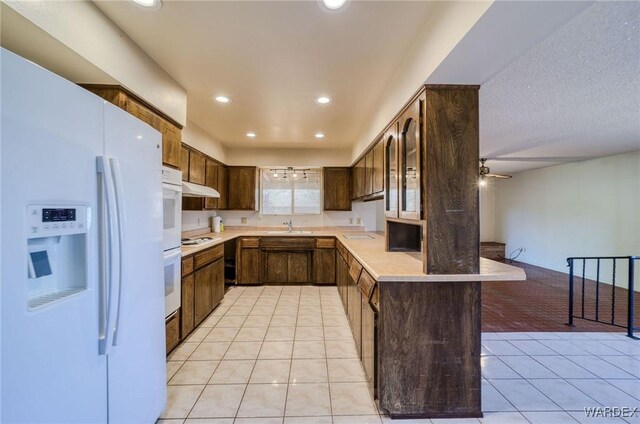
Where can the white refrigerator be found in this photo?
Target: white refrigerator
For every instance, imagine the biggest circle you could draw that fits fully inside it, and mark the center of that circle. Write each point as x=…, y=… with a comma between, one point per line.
x=82, y=287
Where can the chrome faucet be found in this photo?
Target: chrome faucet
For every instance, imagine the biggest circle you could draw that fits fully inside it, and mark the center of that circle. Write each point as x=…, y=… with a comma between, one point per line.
x=290, y=225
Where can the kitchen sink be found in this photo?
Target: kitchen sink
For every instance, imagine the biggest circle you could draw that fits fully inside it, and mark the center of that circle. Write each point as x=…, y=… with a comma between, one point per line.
x=292, y=233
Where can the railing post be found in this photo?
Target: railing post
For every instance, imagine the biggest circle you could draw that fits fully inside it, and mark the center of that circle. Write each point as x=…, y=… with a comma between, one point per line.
x=630, y=300
x=570, y=260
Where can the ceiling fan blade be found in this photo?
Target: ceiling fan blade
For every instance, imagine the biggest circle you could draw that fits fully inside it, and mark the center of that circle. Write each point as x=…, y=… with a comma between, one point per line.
x=504, y=177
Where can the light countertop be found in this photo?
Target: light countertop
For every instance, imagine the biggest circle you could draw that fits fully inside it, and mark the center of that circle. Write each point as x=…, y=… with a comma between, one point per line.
x=371, y=253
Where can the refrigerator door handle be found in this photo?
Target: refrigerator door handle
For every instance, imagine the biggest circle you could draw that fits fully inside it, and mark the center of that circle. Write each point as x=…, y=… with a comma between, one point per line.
x=120, y=212
x=109, y=293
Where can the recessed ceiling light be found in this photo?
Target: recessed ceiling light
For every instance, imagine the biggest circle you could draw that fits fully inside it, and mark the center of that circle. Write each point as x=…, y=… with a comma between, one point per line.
x=323, y=100
x=319, y=135
x=222, y=99
x=333, y=4
x=251, y=134
x=149, y=4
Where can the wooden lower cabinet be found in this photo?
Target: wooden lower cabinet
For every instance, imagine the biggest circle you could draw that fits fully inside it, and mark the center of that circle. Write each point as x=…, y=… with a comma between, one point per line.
x=324, y=261
x=299, y=267
x=217, y=289
x=369, y=344
x=203, y=291
x=286, y=267
x=248, y=261
x=187, y=322
x=172, y=328
x=342, y=276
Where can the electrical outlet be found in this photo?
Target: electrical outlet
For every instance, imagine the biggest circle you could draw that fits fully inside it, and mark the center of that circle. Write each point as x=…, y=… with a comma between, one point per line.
x=243, y=220
x=350, y=220
x=198, y=222
x=358, y=221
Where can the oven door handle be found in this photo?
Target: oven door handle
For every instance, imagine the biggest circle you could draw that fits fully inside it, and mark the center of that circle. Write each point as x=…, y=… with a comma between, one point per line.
x=168, y=258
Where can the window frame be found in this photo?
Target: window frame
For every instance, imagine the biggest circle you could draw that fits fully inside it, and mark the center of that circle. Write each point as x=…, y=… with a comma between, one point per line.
x=293, y=189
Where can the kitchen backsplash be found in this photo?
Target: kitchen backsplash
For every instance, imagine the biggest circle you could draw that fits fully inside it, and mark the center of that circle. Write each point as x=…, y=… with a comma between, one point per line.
x=369, y=214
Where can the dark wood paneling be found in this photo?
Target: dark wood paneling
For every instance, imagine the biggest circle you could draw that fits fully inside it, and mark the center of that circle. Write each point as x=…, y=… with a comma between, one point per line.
x=248, y=268
x=242, y=188
x=186, y=308
x=324, y=265
x=211, y=180
x=429, y=349
x=203, y=282
x=287, y=243
x=275, y=266
x=196, y=167
x=337, y=189
x=217, y=288
x=299, y=267
x=184, y=160
x=172, y=328
x=451, y=192
x=223, y=187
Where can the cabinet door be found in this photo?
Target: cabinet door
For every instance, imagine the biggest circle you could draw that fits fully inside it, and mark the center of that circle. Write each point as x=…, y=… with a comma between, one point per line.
x=203, y=280
x=324, y=266
x=368, y=173
x=242, y=194
x=368, y=344
x=171, y=145
x=391, y=171
x=184, y=163
x=217, y=289
x=410, y=146
x=211, y=180
x=248, y=261
x=342, y=274
x=223, y=187
x=299, y=267
x=337, y=189
x=187, y=323
x=378, y=167
x=172, y=331
x=196, y=167
x=355, y=314
x=275, y=267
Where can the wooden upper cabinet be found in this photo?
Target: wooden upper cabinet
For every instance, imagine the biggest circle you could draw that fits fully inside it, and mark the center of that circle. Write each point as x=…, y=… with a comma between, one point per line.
x=211, y=180
x=223, y=187
x=243, y=183
x=337, y=189
x=184, y=161
x=411, y=141
x=358, y=179
x=196, y=167
x=390, y=146
x=378, y=167
x=368, y=173
x=171, y=131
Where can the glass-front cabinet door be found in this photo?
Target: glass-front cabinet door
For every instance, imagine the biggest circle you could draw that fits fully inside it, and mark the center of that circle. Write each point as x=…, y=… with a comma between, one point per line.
x=410, y=171
x=390, y=141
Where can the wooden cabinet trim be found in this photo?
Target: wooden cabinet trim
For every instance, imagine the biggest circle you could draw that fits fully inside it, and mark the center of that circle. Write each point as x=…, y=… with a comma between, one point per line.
x=287, y=243
x=326, y=243
x=250, y=242
x=366, y=284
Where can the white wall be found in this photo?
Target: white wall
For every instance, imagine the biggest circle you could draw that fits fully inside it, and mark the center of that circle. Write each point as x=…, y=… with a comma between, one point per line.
x=83, y=28
x=449, y=22
x=196, y=137
x=488, y=212
x=288, y=157
x=589, y=208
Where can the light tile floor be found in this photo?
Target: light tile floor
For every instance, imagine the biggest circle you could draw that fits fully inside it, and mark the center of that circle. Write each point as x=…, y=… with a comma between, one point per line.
x=285, y=354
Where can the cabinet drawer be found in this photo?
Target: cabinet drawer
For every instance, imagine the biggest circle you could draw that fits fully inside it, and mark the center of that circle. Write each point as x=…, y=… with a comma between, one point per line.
x=172, y=328
x=354, y=269
x=366, y=283
x=209, y=255
x=287, y=243
x=325, y=243
x=342, y=250
x=187, y=266
x=250, y=242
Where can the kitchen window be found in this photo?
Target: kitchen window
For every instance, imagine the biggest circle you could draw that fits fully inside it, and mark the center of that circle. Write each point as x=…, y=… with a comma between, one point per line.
x=291, y=191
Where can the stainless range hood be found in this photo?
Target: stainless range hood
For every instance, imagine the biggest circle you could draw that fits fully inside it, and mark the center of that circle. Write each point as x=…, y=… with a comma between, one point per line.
x=197, y=190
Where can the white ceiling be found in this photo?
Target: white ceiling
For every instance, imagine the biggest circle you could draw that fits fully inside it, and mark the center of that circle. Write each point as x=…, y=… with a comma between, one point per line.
x=273, y=58
x=575, y=95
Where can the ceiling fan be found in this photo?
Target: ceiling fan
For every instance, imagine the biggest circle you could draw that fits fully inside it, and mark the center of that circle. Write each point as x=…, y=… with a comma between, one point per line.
x=485, y=173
